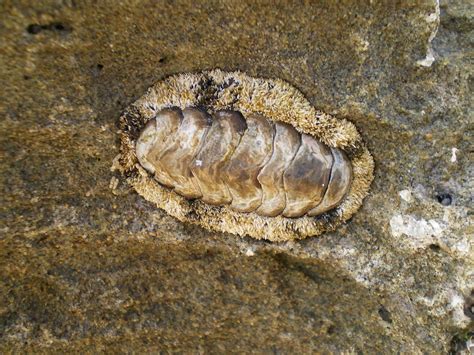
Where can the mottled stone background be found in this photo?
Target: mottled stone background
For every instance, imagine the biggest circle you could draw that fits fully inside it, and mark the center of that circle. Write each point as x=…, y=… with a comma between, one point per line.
x=87, y=265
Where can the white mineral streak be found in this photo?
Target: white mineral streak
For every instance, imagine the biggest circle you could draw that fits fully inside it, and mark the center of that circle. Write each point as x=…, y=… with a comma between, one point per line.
x=249, y=251
x=115, y=163
x=434, y=17
x=113, y=184
x=406, y=195
x=470, y=345
x=453, y=155
x=456, y=305
x=462, y=247
x=420, y=231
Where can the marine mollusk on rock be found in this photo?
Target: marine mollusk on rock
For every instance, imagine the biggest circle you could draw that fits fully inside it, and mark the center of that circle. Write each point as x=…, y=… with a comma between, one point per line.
x=243, y=155
x=250, y=164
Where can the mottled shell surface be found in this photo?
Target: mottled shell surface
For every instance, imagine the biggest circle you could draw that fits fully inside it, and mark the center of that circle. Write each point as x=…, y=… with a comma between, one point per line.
x=243, y=155
x=250, y=163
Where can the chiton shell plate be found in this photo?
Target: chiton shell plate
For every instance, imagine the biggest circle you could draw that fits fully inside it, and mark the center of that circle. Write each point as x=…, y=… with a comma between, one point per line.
x=244, y=155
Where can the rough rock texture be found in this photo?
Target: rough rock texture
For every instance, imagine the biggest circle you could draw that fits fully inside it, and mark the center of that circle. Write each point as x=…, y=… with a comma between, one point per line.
x=87, y=264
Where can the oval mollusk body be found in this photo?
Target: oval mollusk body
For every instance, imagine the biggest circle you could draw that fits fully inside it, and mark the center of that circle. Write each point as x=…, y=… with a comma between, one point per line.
x=248, y=156
x=250, y=164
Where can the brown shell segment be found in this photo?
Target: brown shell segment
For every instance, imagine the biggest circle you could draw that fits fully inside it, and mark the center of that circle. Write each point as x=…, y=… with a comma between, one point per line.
x=285, y=145
x=307, y=177
x=178, y=155
x=208, y=166
x=249, y=163
x=248, y=159
x=339, y=183
x=166, y=124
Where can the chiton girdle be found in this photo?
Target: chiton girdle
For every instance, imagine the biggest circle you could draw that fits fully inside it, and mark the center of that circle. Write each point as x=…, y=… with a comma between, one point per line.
x=243, y=155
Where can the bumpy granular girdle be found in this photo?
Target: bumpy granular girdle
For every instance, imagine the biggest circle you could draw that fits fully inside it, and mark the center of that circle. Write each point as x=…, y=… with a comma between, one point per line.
x=250, y=192
x=249, y=163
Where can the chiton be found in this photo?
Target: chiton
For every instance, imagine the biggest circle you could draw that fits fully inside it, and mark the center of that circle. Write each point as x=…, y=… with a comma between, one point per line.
x=244, y=155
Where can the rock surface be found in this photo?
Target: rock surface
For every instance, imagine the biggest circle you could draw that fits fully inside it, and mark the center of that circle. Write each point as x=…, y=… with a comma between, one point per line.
x=87, y=264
